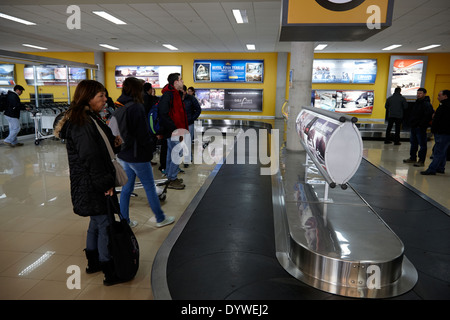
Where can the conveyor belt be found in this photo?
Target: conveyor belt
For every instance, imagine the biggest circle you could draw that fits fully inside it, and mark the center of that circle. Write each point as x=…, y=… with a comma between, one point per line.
x=225, y=248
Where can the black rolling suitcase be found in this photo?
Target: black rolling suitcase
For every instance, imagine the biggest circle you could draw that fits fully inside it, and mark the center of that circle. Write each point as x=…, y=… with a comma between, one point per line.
x=123, y=245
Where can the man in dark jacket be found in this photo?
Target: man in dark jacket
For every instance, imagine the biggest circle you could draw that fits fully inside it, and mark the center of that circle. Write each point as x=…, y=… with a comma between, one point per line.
x=395, y=105
x=12, y=115
x=173, y=121
x=440, y=127
x=420, y=117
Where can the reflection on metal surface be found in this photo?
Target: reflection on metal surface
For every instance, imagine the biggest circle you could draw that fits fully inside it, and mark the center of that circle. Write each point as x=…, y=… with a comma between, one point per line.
x=342, y=247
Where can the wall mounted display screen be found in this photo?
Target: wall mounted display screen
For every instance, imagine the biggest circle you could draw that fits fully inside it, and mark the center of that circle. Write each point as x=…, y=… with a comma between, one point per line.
x=250, y=71
x=344, y=71
x=230, y=99
x=156, y=75
x=345, y=101
x=7, y=75
x=408, y=73
x=53, y=75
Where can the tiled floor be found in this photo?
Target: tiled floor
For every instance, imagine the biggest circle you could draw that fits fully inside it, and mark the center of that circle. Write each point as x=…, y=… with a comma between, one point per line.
x=40, y=236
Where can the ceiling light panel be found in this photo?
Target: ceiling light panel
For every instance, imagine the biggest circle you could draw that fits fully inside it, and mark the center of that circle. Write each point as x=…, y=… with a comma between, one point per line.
x=109, y=17
x=15, y=19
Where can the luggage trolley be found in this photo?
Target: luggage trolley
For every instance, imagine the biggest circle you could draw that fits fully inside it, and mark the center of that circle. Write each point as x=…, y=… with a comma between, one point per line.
x=40, y=123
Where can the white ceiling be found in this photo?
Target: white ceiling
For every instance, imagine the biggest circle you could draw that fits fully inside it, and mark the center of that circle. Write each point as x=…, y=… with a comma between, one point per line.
x=201, y=26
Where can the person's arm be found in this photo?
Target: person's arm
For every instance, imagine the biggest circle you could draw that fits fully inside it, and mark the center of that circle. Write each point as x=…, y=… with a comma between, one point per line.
x=196, y=107
x=164, y=108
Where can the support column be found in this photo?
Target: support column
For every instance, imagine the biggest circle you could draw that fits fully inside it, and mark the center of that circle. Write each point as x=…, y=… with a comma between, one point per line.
x=99, y=59
x=281, y=83
x=302, y=56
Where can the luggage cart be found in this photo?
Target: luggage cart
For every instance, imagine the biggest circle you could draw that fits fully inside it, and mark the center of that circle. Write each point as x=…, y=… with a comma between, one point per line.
x=38, y=134
x=160, y=185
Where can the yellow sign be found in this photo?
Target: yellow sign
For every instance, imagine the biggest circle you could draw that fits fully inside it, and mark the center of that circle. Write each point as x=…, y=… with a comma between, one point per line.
x=334, y=20
x=329, y=11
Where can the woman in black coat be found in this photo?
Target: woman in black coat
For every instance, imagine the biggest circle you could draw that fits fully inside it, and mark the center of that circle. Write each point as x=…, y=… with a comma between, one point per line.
x=92, y=174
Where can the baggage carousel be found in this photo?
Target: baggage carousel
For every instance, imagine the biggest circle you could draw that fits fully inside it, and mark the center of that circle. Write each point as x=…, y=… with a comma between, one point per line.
x=226, y=244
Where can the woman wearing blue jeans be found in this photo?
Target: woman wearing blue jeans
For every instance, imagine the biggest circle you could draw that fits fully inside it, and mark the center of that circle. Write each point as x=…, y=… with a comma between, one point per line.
x=137, y=150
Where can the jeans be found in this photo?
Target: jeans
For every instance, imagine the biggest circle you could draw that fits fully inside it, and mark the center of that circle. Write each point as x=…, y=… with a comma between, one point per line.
x=14, y=128
x=418, y=138
x=97, y=236
x=143, y=170
x=398, y=123
x=172, y=168
x=442, y=143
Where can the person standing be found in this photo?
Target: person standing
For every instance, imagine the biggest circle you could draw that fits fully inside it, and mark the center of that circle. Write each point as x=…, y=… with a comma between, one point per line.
x=440, y=127
x=12, y=115
x=92, y=173
x=421, y=115
x=173, y=118
x=193, y=111
x=137, y=151
x=395, y=105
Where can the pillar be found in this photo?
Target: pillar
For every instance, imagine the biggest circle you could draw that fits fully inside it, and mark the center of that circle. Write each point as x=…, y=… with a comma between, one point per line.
x=281, y=83
x=302, y=56
x=99, y=59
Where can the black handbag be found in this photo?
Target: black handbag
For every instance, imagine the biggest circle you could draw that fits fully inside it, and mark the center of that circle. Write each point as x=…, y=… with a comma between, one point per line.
x=123, y=245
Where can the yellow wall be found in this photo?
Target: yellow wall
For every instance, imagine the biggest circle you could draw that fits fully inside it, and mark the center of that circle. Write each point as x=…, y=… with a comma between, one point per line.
x=438, y=68
x=186, y=60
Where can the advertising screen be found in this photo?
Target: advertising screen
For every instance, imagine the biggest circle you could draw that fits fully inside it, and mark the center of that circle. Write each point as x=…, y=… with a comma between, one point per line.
x=7, y=75
x=344, y=71
x=250, y=71
x=156, y=75
x=345, y=101
x=230, y=99
x=407, y=74
x=53, y=75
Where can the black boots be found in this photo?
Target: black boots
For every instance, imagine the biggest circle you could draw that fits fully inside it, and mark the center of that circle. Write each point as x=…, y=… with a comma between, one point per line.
x=93, y=262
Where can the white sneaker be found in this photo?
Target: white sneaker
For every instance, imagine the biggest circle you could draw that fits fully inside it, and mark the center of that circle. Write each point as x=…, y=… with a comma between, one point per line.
x=132, y=223
x=165, y=222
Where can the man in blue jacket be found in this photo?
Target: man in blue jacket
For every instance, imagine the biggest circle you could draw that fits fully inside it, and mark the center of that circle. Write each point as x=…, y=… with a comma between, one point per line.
x=12, y=115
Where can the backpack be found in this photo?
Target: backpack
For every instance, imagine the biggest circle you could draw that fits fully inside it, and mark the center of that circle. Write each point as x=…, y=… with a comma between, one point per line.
x=153, y=120
x=3, y=101
x=118, y=123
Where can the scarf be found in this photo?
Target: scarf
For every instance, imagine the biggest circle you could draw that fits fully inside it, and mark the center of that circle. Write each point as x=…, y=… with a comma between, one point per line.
x=177, y=111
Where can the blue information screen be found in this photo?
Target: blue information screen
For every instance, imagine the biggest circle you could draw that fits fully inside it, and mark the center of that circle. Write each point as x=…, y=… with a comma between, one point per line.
x=249, y=71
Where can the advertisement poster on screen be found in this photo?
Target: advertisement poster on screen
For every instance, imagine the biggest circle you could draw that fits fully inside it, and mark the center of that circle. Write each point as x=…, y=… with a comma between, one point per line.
x=344, y=71
x=345, y=101
x=250, y=71
x=53, y=75
x=230, y=99
x=7, y=75
x=407, y=74
x=316, y=132
x=156, y=75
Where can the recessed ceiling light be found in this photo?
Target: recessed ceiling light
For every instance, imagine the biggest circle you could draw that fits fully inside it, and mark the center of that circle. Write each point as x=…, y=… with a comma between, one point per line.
x=320, y=47
x=240, y=16
x=394, y=46
x=107, y=46
x=109, y=17
x=170, y=47
x=5, y=16
x=429, y=47
x=33, y=46
x=251, y=47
